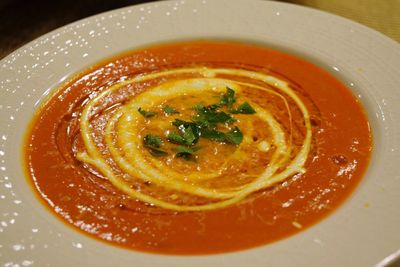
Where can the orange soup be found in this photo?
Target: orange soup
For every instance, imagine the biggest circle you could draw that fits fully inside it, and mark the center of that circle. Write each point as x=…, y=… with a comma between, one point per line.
x=197, y=147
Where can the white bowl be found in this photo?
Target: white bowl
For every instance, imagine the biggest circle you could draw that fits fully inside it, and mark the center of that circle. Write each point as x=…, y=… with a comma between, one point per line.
x=362, y=232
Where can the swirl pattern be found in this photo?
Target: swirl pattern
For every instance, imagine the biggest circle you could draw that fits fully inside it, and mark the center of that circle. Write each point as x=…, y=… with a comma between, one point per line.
x=118, y=154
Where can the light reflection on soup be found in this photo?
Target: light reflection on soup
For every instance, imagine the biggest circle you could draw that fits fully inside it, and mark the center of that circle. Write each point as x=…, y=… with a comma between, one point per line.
x=198, y=147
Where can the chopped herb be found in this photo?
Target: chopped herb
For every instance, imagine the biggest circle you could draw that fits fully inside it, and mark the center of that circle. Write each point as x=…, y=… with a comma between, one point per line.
x=146, y=114
x=153, y=144
x=234, y=136
x=228, y=98
x=152, y=141
x=213, y=135
x=180, y=123
x=185, y=152
x=205, y=124
x=189, y=133
x=213, y=107
x=208, y=116
x=157, y=152
x=244, y=108
x=169, y=110
x=176, y=138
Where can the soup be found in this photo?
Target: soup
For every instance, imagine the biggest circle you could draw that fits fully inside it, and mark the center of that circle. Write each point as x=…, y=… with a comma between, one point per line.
x=197, y=147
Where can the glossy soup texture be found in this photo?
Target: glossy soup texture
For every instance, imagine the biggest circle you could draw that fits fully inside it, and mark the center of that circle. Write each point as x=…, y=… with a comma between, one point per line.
x=271, y=145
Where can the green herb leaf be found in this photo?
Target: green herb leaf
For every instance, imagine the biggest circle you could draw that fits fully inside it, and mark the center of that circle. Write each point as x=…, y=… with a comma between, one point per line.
x=152, y=141
x=176, y=138
x=153, y=144
x=204, y=124
x=213, y=135
x=146, y=114
x=189, y=133
x=184, y=149
x=228, y=98
x=169, y=110
x=157, y=152
x=234, y=136
x=180, y=123
x=208, y=116
x=213, y=107
x=184, y=152
x=244, y=108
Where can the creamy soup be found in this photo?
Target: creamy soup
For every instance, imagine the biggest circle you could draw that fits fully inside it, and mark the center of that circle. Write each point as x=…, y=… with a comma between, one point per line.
x=197, y=147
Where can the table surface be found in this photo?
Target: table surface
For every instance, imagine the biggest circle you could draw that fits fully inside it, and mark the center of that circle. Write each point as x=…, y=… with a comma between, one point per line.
x=22, y=21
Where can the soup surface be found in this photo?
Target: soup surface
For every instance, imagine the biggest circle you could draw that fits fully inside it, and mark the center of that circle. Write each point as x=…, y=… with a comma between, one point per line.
x=197, y=147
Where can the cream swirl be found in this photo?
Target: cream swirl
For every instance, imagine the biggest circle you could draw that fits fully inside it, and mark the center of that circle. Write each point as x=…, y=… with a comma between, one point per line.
x=122, y=131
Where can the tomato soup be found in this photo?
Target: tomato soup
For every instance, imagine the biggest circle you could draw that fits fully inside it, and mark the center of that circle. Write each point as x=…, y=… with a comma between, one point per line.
x=197, y=148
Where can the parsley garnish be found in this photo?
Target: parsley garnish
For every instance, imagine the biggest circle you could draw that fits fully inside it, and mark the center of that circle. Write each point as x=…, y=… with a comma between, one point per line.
x=184, y=152
x=152, y=141
x=188, y=133
x=213, y=135
x=234, y=136
x=153, y=144
x=146, y=114
x=228, y=98
x=244, y=108
x=176, y=138
x=169, y=110
x=208, y=116
x=204, y=124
